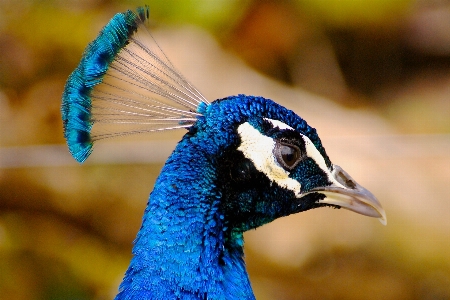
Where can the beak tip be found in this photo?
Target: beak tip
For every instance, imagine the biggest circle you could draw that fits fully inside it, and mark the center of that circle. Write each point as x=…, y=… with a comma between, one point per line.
x=351, y=196
x=382, y=218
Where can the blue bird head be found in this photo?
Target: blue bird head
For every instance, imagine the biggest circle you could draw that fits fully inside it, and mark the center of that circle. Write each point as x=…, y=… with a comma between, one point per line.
x=270, y=163
x=244, y=162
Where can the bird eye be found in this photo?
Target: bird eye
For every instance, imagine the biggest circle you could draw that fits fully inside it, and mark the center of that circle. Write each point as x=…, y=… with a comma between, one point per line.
x=287, y=155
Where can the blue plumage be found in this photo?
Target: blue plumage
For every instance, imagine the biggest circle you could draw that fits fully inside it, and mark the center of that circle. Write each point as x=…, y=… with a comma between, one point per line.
x=244, y=162
x=76, y=106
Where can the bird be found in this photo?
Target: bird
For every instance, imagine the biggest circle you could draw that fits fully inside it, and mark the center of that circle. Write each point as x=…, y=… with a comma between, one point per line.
x=243, y=162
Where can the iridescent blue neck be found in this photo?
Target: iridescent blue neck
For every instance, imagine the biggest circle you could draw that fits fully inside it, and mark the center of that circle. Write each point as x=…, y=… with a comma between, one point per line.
x=181, y=251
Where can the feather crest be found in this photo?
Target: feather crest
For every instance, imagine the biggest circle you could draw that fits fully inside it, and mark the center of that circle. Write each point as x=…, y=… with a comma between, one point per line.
x=125, y=84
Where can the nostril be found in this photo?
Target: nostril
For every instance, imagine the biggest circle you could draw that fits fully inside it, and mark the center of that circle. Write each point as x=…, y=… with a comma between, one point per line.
x=346, y=181
x=351, y=184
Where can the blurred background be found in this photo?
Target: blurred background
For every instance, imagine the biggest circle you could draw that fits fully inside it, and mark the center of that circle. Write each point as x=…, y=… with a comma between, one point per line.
x=373, y=76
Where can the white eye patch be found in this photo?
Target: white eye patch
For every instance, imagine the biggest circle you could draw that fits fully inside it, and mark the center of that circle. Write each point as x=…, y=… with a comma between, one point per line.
x=259, y=149
x=311, y=151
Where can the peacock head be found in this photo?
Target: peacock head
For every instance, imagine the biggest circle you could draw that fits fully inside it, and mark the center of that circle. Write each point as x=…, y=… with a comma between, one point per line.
x=268, y=162
x=271, y=163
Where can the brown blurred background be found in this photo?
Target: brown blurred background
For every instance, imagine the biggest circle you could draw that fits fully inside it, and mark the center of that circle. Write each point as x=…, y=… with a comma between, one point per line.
x=373, y=76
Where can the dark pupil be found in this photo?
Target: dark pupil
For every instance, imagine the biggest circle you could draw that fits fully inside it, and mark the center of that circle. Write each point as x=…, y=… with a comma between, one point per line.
x=289, y=154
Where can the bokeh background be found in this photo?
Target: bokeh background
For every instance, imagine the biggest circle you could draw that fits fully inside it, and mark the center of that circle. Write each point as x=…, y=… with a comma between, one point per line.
x=373, y=76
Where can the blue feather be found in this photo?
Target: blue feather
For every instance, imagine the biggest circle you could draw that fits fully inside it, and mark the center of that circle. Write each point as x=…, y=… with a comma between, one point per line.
x=244, y=162
x=76, y=106
x=122, y=85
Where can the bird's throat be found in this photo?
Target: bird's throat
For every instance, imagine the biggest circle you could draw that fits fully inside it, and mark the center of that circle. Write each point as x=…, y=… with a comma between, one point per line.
x=181, y=249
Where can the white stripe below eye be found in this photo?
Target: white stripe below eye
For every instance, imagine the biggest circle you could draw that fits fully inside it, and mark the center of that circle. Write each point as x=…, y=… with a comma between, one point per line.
x=312, y=152
x=259, y=149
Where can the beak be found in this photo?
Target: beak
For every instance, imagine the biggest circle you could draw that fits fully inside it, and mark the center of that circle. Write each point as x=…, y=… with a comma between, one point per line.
x=348, y=194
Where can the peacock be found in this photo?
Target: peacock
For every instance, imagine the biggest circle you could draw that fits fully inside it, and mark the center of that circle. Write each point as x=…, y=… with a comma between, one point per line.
x=243, y=162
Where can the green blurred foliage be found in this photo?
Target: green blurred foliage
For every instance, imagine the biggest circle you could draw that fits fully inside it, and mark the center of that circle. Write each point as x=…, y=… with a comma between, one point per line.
x=212, y=15
x=354, y=13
